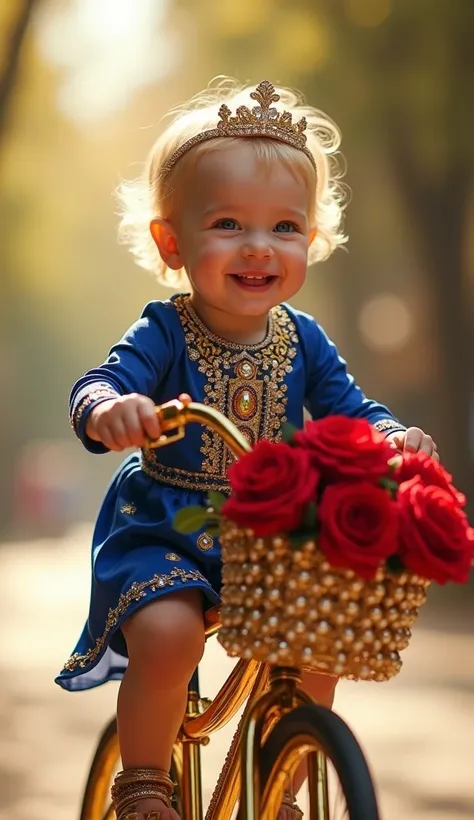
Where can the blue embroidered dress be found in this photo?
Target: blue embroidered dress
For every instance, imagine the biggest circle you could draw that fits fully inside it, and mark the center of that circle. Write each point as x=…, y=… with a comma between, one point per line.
x=136, y=554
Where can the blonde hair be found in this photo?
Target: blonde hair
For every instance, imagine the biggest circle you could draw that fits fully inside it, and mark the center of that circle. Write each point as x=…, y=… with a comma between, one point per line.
x=152, y=194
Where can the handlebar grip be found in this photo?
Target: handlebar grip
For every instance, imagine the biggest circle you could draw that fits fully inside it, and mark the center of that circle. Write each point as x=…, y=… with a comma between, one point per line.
x=176, y=414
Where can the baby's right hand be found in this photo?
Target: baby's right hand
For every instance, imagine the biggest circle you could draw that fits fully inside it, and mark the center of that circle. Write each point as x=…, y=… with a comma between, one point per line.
x=126, y=421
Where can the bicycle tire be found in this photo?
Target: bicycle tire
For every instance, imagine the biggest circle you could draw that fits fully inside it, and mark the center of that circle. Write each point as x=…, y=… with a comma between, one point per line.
x=337, y=742
x=96, y=803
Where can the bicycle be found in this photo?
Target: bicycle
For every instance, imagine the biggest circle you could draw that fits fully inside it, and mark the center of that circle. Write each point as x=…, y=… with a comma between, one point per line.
x=279, y=726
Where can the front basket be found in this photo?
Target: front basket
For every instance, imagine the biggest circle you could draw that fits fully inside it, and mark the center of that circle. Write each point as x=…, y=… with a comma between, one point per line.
x=288, y=607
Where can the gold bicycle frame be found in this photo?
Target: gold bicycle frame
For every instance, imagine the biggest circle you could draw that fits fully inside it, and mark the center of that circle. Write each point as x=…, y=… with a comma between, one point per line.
x=270, y=693
x=248, y=682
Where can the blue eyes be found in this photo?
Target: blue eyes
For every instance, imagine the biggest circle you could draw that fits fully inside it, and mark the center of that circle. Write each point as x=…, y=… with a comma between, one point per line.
x=227, y=225
x=233, y=225
x=285, y=227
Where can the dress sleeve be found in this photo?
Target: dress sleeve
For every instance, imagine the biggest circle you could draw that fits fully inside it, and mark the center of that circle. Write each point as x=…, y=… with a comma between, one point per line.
x=331, y=390
x=136, y=364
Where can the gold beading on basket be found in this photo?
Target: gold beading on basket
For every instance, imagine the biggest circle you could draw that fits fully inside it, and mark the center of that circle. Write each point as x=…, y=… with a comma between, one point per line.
x=288, y=607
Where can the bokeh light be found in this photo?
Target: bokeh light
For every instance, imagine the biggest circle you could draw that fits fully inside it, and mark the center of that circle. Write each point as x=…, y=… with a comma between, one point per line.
x=385, y=323
x=367, y=13
x=302, y=40
x=106, y=49
x=248, y=18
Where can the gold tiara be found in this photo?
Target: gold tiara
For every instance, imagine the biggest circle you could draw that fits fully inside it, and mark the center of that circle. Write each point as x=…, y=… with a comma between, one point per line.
x=261, y=121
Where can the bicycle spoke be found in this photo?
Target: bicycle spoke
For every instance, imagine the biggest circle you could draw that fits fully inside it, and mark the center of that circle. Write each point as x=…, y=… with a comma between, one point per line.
x=340, y=810
x=337, y=802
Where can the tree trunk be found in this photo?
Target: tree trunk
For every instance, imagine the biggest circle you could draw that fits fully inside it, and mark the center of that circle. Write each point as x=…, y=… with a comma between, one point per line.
x=9, y=76
x=443, y=221
x=439, y=207
x=11, y=58
x=440, y=213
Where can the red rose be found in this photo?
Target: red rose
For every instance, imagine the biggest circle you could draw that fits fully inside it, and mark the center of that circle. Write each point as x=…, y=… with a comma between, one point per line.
x=436, y=541
x=270, y=487
x=359, y=526
x=346, y=448
x=429, y=471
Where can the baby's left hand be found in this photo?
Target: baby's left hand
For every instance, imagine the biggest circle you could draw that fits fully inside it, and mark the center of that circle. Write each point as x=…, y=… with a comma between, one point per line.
x=413, y=440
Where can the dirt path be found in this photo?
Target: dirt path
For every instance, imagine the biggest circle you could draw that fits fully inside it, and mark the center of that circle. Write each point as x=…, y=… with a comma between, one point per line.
x=417, y=731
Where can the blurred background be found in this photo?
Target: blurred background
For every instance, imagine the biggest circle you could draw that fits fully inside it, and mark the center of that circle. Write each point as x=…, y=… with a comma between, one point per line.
x=83, y=86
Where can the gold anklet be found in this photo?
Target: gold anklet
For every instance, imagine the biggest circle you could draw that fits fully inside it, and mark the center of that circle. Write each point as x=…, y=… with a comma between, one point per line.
x=152, y=815
x=133, y=785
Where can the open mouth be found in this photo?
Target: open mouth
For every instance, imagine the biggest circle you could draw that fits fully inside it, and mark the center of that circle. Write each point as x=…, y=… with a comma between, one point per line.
x=254, y=281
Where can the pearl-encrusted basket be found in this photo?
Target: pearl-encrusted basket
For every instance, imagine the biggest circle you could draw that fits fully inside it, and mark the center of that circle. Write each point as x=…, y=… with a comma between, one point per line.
x=288, y=607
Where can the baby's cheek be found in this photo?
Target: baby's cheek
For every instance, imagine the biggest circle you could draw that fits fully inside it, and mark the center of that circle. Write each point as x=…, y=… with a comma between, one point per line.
x=212, y=249
x=297, y=251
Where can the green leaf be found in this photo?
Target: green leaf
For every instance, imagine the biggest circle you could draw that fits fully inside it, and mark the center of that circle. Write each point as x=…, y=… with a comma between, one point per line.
x=190, y=519
x=213, y=528
x=213, y=516
x=390, y=485
x=298, y=538
x=310, y=516
x=287, y=432
x=216, y=500
x=395, y=565
x=394, y=463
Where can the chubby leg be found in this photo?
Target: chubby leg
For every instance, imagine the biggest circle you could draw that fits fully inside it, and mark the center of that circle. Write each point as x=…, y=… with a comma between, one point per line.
x=165, y=642
x=322, y=688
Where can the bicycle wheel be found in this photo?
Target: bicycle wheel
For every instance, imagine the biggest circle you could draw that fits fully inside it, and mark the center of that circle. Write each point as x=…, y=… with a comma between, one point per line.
x=310, y=728
x=96, y=804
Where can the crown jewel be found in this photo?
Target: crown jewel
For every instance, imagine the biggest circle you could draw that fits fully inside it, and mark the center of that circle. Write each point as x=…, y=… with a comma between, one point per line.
x=260, y=121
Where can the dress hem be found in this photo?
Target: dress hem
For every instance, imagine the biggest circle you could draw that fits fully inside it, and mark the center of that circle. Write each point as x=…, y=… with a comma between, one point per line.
x=140, y=594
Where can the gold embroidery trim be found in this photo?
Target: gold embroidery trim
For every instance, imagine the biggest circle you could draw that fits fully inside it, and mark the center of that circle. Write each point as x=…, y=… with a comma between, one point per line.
x=234, y=373
x=101, y=393
x=177, y=477
x=137, y=591
x=128, y=509
x=388, y=424
x=171, y=556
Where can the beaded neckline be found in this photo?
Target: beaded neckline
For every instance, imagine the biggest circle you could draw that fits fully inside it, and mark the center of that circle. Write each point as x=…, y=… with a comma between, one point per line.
x=185, y=300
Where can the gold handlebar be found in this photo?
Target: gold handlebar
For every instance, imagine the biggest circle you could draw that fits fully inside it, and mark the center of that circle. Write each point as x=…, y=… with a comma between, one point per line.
x=175, y=415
